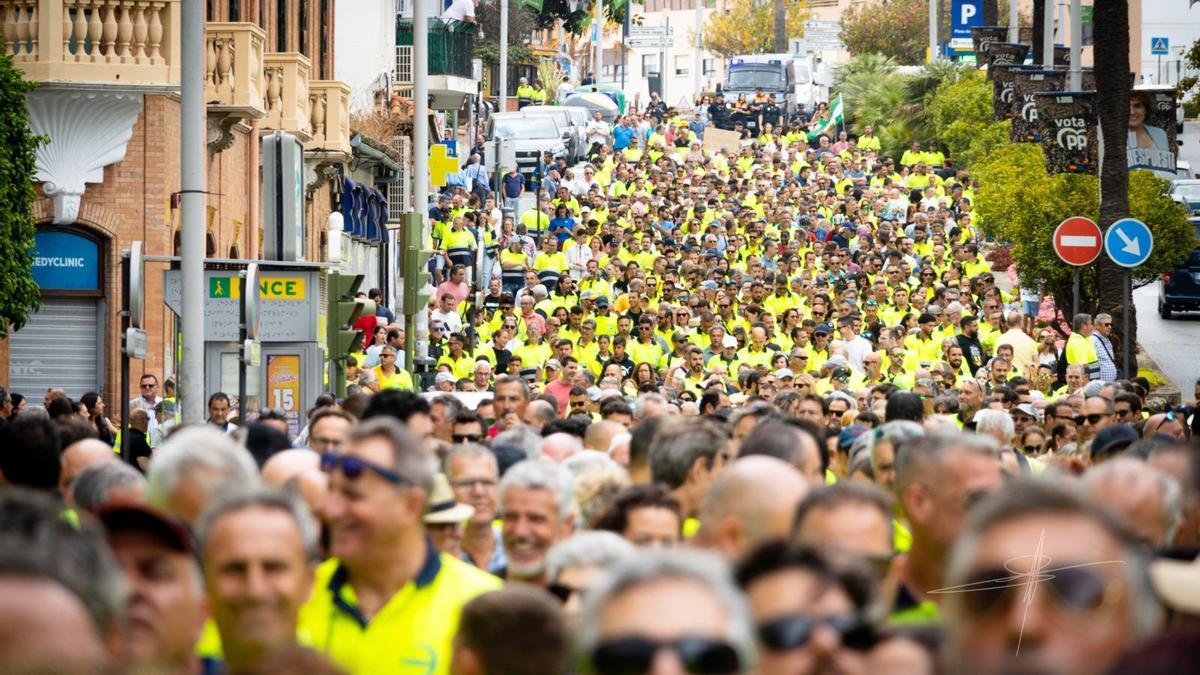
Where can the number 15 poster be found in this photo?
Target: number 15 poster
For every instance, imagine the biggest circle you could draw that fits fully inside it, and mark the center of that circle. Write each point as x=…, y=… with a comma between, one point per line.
x=283, y=388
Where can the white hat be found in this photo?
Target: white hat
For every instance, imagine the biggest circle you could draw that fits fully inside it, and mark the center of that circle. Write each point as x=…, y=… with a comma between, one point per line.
x=444, y=377
x=443, y=509
x=729, y=341
x=785, y=372
x=1177, y=583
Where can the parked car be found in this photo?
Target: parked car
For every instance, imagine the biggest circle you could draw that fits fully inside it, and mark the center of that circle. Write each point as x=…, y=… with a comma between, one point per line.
x=569, y=118
x=1186, y=191
x=1179, y=289
x=531, y=135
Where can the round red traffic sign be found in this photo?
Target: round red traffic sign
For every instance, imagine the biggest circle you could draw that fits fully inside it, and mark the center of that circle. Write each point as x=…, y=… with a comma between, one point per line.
x=1078, y=240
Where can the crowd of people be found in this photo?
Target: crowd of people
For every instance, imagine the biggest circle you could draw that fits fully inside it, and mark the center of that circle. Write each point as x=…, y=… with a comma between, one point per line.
x=765, y=409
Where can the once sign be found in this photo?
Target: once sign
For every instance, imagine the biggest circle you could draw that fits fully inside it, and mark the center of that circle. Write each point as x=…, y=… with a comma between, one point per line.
x=1078, y=241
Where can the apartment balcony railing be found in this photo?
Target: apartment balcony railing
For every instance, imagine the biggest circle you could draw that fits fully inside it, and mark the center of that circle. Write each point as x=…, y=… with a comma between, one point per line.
x=285, y=94
x=133, y=43
x=451, y=46
x=233, y=80
x=330, y=104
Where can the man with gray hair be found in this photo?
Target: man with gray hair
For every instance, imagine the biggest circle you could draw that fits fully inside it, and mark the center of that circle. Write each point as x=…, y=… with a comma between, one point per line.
x=995, y=423
x=193, y=465
x=258, y=547
x=536, y=510
x=1142, y=497
x=1099, y=602
x=578, y=562
x=654, y=613
x=1102, y=344
x=687, y=456
x=938, y=476
x=107, y=482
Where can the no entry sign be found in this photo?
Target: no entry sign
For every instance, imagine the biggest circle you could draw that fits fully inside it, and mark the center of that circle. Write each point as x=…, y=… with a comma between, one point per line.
x=1078, y=241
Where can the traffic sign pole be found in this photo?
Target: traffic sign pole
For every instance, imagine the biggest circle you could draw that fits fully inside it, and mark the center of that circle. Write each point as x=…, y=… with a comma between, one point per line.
x=1128, y=243
x=1077, y=241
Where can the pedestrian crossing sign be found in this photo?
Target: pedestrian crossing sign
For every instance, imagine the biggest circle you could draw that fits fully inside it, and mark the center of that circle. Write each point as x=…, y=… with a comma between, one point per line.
x=1159, y=46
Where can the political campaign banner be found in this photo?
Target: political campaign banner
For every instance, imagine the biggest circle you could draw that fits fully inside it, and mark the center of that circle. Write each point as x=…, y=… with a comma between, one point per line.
x=982, y=37
x=1027, y=82
x=1150, y=142
x=1002, y=89
x=1005, y=54
x=1068, y=131
x=1062, y=56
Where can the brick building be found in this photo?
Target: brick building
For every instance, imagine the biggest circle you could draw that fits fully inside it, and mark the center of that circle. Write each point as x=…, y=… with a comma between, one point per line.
x=109, y=102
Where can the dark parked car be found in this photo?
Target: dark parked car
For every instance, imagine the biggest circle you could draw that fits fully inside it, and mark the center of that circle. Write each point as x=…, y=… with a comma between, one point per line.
x=1179, y=289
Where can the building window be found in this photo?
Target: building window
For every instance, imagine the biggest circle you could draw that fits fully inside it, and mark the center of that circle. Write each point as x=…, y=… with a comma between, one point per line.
x=305, y=46
x=650, y=65
x=235, y=11
x=281, y=12
x=681, y=64
x=710, y=66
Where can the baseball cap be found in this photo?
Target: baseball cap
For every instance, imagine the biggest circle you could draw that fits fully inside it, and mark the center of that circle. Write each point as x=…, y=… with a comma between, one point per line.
x=1026, y=409
x=602, y=301
x=1177, y=583
x=837, y=361
x=785, y=372
x=708, y=285
x=1113, y=439
x=131, y=517
x=821, y=329
x=850, y=434
x=444, y=377
x=729, y=341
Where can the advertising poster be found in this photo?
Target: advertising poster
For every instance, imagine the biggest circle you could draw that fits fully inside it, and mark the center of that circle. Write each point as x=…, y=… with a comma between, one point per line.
x=1005, y=54
x=1027, y=83
x=1150, y=142
x=283, y=388
x=1068, y=130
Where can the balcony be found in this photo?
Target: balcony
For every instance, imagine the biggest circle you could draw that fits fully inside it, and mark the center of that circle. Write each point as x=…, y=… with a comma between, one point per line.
x=451, y=49
x=285, y=94
x=131, y=43
x=233, y=78
x=330, y=104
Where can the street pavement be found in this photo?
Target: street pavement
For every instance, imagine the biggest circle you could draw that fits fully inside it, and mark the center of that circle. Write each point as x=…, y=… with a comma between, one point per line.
x=1171, y=343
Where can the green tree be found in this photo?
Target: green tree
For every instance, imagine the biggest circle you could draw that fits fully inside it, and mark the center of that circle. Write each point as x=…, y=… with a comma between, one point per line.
x=19, y=294
x=895, y=28
x=748, y=27
x=521, y=22
x=960, y=111
x=1018, y=202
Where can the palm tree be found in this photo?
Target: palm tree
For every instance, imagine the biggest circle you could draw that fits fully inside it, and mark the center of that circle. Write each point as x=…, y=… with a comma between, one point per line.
x=781, y=37
x=991, y=13
x=1111, y=21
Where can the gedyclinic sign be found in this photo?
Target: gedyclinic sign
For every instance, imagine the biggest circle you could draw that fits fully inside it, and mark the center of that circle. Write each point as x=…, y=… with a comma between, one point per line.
x=66, y=261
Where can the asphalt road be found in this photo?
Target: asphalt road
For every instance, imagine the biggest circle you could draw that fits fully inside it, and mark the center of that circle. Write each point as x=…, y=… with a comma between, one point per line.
x=1171, y=343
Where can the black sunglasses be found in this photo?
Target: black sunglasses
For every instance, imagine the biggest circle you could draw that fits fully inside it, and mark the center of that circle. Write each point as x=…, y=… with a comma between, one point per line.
x=353, y=467
x=635, y=654
x=1077, y=589
x=790, y=632
x=466, y=438
x=1094, y=418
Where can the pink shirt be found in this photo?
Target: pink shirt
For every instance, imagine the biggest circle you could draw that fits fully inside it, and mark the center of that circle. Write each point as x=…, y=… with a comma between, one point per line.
x=459, y=291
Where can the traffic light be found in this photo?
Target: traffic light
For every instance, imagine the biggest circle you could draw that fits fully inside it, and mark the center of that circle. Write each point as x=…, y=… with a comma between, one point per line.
x=344, y=310
x=416, y=264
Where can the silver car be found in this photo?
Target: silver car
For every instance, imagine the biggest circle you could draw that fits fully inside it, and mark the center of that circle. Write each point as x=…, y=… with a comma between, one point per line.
x=531, y=136
x=568, y=118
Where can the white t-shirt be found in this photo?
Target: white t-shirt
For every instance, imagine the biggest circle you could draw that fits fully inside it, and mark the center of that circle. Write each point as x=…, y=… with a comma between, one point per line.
x=597, y=131
x=459, y=10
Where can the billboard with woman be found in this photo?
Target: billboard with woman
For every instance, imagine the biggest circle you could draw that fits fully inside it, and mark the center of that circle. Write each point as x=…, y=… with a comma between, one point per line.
x=1150, y=141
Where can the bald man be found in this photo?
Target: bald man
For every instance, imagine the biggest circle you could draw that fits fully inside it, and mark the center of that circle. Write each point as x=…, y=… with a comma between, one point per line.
x=1146, y=499
x=559, y=446
x=300, y=468
x=752, y=501
x=600, y=435
x=78, y=456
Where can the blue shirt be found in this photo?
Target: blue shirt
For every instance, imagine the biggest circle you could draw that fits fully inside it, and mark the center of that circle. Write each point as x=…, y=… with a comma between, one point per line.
x=512, y=185
x=622, y=136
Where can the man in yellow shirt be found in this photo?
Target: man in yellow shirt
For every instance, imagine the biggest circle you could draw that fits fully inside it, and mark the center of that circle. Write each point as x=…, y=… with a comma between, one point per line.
x=1079, y=349
x=386, y=601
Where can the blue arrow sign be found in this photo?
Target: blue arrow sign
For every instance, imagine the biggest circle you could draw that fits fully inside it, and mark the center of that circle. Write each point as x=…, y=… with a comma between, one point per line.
x=1128, y=242
x=1159, y=46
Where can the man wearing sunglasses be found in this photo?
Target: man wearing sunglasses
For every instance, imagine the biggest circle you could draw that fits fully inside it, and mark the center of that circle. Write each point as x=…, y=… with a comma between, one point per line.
x=674, y=611
x=1091, y=603
x=386, y=596
x=810, y=616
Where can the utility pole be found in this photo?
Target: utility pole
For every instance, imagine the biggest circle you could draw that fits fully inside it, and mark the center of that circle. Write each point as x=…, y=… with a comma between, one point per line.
x=624, y=37
x=698, y=61
x=780, y=26
x=933, y=30
x=1076, y=45
x=1047, y=34
x=598, y=62
x=421, y=150
x=191, y=196
x=1014, y=32
x=503, y=107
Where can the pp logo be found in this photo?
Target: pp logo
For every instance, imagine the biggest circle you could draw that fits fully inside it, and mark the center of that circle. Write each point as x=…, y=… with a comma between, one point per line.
x=1029, y=111
x=1006, y=94
x=1072, y=139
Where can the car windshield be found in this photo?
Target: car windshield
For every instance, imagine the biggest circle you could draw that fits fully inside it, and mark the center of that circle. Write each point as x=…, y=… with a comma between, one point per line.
x=1189, y=191
x=802, y=75
x=524, y=127
x=561, y=116
x=751, y=78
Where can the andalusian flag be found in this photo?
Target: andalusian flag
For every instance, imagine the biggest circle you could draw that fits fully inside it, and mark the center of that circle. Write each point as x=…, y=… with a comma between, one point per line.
x=835, y=121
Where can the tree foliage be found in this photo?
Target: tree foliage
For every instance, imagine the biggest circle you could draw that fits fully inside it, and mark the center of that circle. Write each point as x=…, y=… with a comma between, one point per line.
x=960, y=111
x=521, y=22
x=576, y=16
x=895, y=28
x=19, y=294
x=748, y=27
x=1018, y=202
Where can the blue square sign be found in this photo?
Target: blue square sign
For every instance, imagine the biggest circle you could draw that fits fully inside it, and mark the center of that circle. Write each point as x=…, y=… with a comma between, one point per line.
x=1160, y=46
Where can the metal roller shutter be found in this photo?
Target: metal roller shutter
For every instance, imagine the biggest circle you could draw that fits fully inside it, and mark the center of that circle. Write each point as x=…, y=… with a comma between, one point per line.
x=58, y=348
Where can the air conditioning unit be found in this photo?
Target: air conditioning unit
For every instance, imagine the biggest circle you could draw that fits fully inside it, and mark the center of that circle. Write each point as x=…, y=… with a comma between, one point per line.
x=399, y=191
